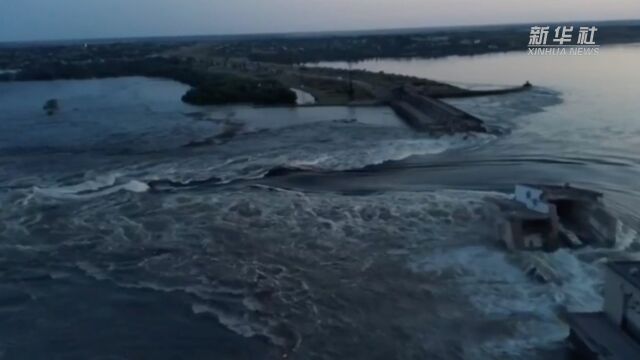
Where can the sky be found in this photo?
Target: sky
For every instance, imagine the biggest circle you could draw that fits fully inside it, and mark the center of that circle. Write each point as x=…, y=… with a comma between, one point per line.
x=25, y=20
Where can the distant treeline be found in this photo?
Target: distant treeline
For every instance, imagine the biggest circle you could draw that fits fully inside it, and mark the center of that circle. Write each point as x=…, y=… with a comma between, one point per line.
x=462, y=41
x=207, y=88
x=323, y=47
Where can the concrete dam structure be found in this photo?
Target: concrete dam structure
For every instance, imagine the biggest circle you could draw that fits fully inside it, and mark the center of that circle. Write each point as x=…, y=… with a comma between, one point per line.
x=427, y=114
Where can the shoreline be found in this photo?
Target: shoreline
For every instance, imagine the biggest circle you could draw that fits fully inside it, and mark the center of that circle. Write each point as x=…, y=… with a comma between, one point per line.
x=417, y=101
x=215, y=81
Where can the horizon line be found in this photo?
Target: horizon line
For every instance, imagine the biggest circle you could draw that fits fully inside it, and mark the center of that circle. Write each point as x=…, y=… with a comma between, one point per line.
x=301, y=33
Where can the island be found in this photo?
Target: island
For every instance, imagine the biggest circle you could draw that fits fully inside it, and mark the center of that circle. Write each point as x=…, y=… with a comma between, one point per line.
x=265, y=69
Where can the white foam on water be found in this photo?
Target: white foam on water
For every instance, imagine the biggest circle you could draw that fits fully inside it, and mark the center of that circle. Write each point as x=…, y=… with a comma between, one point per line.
x=361, y=155
x=496, y=285
x=234, y=323
x=101, y=186
x=98, y=183
x=521, y=345
x=336, y=157
x=303, y=97
x=581, y=283
x=92, y=271
x=242, y=324
x=446, y=230
x=625, y=236
x=135, y=186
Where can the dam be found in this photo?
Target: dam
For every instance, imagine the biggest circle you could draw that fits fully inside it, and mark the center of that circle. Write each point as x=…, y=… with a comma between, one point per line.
x=427, y=114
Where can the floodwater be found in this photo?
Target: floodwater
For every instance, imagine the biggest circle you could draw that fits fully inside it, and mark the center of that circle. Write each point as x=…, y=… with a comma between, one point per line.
x=589, y=138
x=136, y=227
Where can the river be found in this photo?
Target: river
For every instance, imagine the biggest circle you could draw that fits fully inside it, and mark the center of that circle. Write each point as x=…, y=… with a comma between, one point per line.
x=134, y=226
x=589, y=138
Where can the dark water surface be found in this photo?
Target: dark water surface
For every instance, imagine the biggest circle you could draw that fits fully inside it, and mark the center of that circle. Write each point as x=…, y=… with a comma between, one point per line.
x=591, y=138
x=136, y=227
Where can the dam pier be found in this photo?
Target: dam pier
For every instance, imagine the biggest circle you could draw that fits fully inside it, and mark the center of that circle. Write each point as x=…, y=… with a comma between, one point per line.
x=418, y=102
x=427, y=114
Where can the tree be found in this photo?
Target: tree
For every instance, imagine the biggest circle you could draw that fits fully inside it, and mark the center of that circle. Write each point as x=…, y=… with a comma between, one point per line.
x=51, y=107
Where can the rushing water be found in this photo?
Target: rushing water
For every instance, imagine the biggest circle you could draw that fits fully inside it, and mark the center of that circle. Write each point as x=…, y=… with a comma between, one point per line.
x=591, y=137
x=134, y=226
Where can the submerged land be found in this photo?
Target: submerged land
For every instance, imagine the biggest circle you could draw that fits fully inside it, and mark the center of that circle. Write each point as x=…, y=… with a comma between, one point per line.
x=320, y=239
x=265, y=69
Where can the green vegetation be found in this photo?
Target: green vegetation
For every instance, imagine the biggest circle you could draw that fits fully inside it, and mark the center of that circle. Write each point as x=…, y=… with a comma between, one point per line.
x=51, y=107
x=208, y=88
x=256, y=69
x=428, y=43
x=226, y=89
